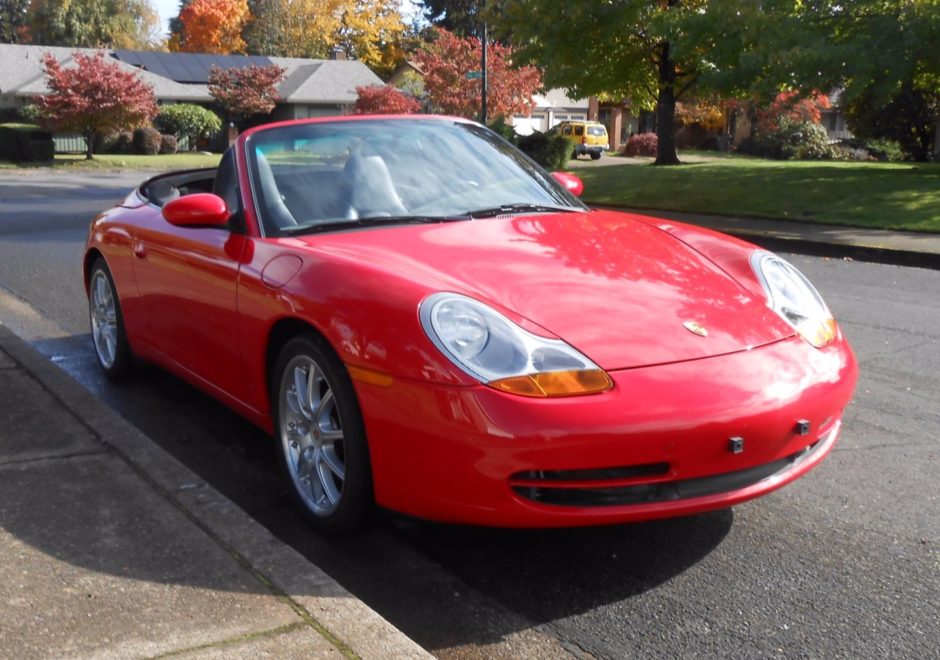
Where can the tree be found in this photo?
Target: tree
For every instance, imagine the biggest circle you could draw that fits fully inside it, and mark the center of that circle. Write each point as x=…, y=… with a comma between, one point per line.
x=13, y=18
x=448, y=59
x=188, y=120
x=292, y=28
x=707, y=112
x=651, y=53
x=462, y=17
x=246, y=91
x=211, y=26
x=369, y=31
x=94, y=23
x=372, y=33
x=94, y=98
x=176, y=25
x=384, y=100
x=883, y=55
x=910, y=118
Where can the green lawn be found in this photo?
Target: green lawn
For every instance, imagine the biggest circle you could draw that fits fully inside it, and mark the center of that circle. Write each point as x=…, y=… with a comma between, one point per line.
x=876, y=195
x=181, y=161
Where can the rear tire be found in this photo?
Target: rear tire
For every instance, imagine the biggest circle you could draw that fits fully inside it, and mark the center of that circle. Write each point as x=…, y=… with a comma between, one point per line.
x=107, y=324
x=320, y=435
x=595, y=155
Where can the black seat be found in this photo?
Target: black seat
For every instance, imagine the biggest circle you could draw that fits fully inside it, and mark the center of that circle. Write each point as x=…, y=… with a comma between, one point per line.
x=225, y=184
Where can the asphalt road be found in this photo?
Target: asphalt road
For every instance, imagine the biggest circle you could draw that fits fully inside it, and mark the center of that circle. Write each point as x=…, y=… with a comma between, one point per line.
x=843, y=563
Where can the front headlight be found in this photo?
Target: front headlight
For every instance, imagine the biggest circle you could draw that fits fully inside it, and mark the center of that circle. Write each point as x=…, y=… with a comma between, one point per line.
x=794, y=299
x=497, y=352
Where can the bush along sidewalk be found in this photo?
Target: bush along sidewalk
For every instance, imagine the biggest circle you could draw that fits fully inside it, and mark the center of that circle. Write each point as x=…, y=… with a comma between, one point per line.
x=550, y=150
x=25, y=143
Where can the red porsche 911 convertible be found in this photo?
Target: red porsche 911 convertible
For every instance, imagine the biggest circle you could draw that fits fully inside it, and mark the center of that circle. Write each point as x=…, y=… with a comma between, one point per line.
x=428, y=321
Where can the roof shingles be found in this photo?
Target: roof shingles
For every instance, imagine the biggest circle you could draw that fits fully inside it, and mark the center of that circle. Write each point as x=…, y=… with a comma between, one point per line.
x=325, y=82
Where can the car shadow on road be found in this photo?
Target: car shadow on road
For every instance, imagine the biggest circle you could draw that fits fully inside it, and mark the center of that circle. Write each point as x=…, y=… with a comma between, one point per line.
x=552, y=574
x=443, y=585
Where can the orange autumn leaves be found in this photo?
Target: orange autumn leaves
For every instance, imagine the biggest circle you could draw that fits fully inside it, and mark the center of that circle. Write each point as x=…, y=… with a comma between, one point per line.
x=212, y=26
x=372, y=32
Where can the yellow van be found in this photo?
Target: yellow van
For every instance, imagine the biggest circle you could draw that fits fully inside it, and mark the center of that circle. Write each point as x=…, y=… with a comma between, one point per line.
x=588, y=137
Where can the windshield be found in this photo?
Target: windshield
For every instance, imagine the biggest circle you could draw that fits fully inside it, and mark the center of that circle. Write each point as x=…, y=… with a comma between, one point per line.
x=330, y=175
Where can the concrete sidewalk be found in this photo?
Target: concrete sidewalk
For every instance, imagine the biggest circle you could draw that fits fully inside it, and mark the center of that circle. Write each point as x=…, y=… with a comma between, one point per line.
x=112, y=548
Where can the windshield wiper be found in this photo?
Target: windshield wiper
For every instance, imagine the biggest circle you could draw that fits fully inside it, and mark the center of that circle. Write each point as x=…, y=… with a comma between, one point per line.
x=369, y=222
x=520, y=207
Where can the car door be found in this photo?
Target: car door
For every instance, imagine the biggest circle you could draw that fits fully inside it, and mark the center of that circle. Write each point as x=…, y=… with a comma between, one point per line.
x=187, y=278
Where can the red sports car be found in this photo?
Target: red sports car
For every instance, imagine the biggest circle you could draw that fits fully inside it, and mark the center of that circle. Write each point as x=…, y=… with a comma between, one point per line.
x=427, y=320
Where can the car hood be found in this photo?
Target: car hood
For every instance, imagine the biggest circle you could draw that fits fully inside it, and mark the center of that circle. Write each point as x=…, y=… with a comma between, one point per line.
x=616, y=288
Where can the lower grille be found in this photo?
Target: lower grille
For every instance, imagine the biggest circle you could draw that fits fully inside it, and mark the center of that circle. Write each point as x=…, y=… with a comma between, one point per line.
x=657, y=491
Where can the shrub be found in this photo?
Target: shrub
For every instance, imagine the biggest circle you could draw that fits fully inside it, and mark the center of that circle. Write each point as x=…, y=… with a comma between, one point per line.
x=25, y=142
x=30, y=113
x=801, y=140
x=116, y=143
x=147, y=141
x=500, y=126
x=169, y=144
x=644, y=144
x=550, y=150
x=189, y=121
x=384, y=100
x=883, y=149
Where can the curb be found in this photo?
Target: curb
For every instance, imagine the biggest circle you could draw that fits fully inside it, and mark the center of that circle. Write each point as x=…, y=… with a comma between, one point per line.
x=788, y=243
x=348, y=623
x=870, y=253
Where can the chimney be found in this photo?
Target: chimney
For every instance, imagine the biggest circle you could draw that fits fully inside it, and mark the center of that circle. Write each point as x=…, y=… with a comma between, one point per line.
x=338, y=53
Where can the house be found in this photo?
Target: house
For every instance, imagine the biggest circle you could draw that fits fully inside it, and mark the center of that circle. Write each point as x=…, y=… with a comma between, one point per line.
x=548, y=110
x=311, y=88
x=555, y=106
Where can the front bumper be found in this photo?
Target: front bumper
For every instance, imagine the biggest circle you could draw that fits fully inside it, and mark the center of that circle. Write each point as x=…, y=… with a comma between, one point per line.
x=661, y=443
x=590, y=148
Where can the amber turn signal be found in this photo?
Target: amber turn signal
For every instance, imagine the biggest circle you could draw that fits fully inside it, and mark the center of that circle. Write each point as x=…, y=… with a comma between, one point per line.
x=818, y=334
x=370, y=376
x=556, y=383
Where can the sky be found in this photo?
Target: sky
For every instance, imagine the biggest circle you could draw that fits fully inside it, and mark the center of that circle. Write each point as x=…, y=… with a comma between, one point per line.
x=169, y=8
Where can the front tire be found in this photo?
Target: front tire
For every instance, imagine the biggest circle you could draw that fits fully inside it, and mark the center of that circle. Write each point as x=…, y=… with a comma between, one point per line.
x=107, y=324
x=595, y=155
x=321, y=437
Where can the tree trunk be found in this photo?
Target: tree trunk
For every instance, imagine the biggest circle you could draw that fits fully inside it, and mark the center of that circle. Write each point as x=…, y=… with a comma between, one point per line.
x=89, y=145
x=666, y=110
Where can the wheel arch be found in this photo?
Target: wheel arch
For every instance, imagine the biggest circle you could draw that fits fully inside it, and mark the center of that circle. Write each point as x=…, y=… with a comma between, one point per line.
x=91, y=256
x=281, y=332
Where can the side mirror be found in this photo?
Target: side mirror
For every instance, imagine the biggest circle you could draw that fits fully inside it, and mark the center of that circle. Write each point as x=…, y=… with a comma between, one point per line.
x=198, y=210
x=573, y=184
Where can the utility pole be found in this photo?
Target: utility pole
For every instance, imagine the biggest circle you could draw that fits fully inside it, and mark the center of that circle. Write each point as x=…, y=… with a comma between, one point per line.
x=483, y=68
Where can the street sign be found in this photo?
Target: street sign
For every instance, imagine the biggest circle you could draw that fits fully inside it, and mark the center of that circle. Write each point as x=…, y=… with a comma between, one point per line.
x=474, y=75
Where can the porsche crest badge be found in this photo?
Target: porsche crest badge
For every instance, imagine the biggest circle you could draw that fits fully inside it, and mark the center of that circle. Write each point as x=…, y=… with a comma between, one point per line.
x=696, y=328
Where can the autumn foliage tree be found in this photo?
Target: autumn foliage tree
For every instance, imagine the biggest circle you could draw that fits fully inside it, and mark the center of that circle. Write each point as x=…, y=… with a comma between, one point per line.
x=448, y=59
x=246, y=91
x=792, y=106
x=372, y=32
x=94, y=98
x=384, y=100
x=709, y=113
x=211, y=26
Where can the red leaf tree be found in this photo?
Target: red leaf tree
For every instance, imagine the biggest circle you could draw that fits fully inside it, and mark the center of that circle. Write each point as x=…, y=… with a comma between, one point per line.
x=246, y=91
x=448, y=59
x=94, y=98
x=794, y=107
x=384, y=100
